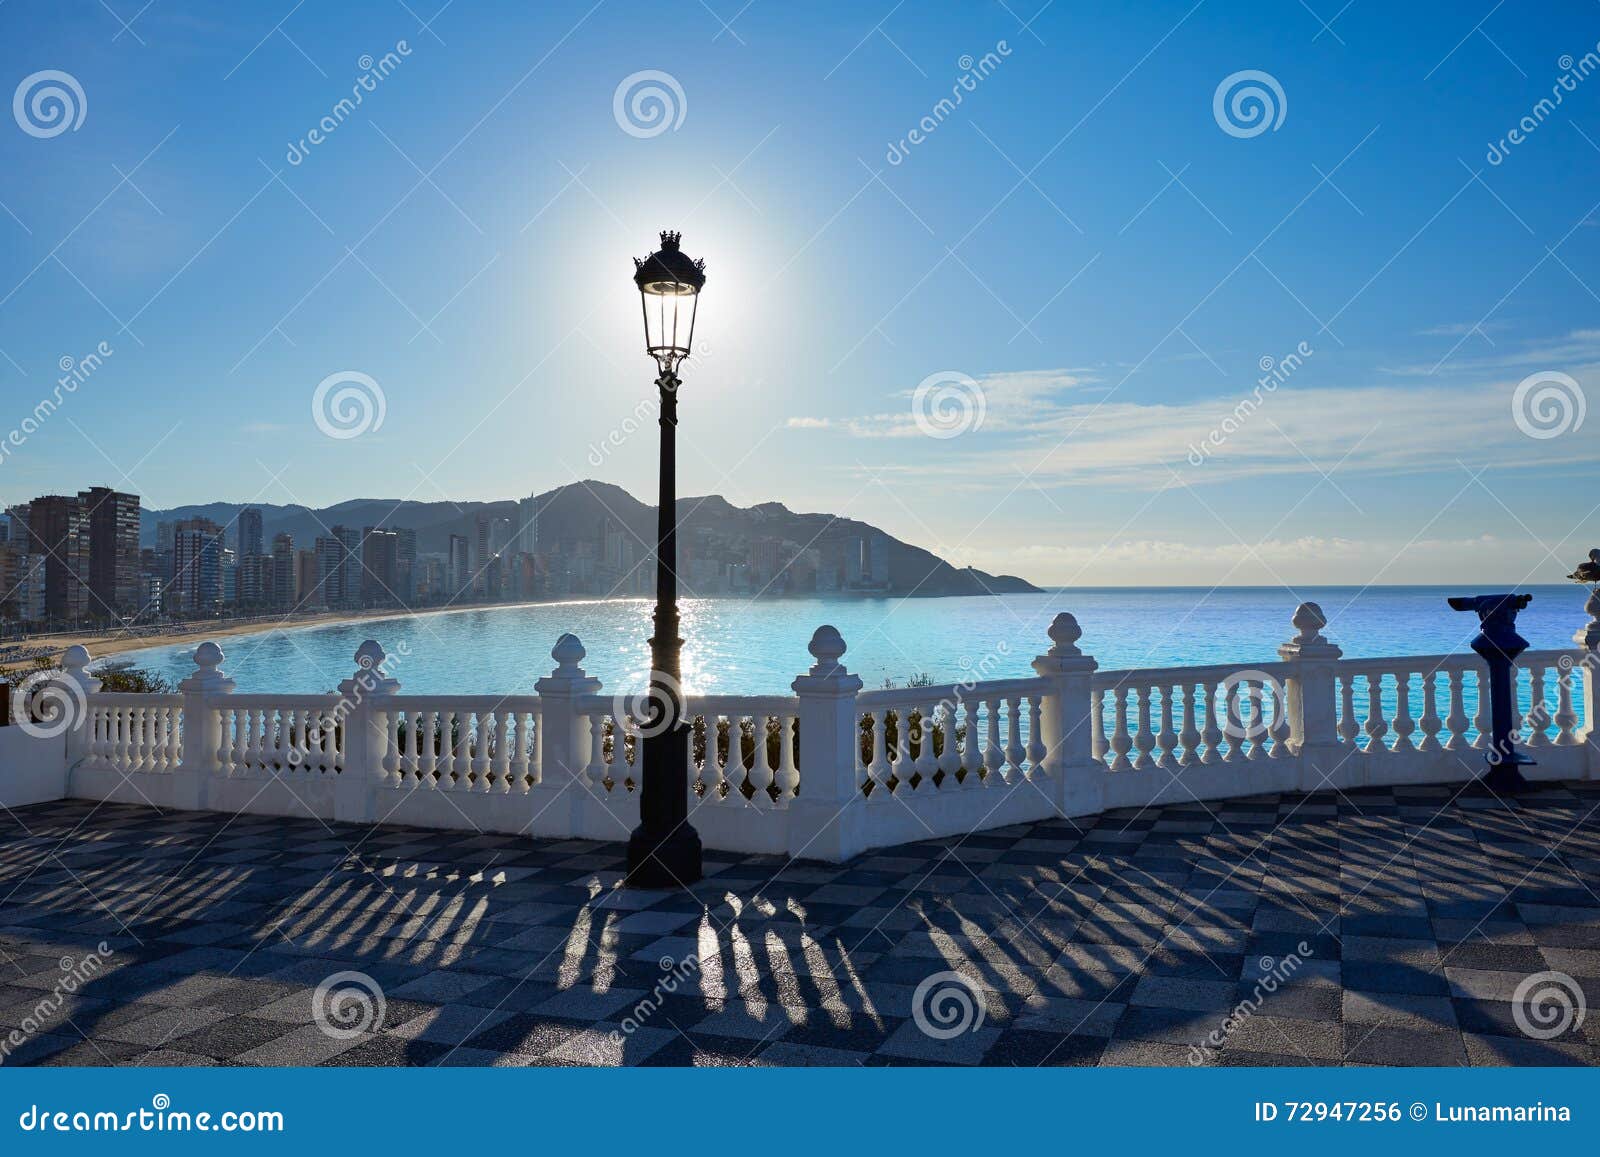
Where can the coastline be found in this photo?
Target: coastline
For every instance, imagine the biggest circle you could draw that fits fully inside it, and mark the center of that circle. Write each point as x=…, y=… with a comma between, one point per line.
x=106, y=646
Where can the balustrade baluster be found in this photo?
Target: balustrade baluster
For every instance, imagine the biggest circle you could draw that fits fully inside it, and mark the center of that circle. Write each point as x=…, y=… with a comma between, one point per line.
x=1430, y=722
x=1144, y=739
x=1279, y=730
x=1377, y=727
x=788, y=775
x=1404, y=724
x=1036, y=748
x=1166, y=756
x=1098, y=745
x=950, y=756
x=1015, y=751
x=902, y=750
x=925, y=764
x=1455, y=720
x=1120, y=740
x=1538, y=709
x=1480, y=716
x=596, y=771
x=1566, y=719
x=518, y=767
x=878, y=768
x=972, y=749
x=994, y=756
x=761, y=769
x=1252, y=692
x=1347, y=729
x=1211, y=735
x=1189, y=737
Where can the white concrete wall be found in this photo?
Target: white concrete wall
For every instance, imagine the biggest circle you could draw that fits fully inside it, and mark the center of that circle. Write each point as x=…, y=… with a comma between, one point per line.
x=31, y=770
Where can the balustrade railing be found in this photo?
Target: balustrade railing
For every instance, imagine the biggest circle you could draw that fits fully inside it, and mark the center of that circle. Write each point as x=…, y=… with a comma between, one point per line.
x=831, y=770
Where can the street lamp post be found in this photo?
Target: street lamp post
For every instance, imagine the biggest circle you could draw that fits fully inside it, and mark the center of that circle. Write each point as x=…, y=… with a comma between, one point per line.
x=664, y=850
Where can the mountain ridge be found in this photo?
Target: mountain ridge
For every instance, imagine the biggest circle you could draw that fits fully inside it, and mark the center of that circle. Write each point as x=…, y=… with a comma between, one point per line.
x=573, y=511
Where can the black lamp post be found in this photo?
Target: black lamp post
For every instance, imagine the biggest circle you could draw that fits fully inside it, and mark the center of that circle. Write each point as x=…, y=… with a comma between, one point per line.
x=664, y=850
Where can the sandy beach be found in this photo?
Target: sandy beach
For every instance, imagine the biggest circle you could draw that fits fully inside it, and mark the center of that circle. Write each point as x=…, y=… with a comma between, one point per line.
x=105, y=644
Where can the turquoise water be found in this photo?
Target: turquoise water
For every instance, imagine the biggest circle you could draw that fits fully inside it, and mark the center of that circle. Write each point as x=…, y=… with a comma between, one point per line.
x=739, y=647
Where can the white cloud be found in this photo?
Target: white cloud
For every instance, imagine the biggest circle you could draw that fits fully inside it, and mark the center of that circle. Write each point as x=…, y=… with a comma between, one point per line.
x=1042, y=425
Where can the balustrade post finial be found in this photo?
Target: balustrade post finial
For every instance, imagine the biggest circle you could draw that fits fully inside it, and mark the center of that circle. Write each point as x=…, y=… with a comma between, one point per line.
x=825, y=819
x=827, y=647
x=1311, y=693
x=203, y=728
x=1066, y=718
x=560, y=806
x=368, y=733
x=568, y=654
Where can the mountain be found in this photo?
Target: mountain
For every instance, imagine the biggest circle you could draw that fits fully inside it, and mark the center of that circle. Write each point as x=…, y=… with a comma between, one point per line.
x=709, y=526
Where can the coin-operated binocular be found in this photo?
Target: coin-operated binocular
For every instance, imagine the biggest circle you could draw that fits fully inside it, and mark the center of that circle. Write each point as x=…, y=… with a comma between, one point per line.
x=1498, y=644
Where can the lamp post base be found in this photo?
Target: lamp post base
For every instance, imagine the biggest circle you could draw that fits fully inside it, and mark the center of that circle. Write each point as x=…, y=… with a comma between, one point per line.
x=1503, y=778
x=669, y=860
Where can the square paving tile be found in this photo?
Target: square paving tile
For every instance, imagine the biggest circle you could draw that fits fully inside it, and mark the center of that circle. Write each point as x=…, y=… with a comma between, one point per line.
x=1124, y=939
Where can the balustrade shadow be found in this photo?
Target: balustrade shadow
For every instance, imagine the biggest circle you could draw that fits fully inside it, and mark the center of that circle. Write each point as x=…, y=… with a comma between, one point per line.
x=1058, y=938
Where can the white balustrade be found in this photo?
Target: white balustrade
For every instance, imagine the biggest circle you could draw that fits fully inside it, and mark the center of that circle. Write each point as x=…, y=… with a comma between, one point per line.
x=1227, y=715
x=831, y=770
x=485, y=744
x=958, y=737
x=135, y=733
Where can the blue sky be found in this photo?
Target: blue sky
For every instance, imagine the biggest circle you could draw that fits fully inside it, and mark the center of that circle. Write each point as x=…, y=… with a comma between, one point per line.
x=1080, y=246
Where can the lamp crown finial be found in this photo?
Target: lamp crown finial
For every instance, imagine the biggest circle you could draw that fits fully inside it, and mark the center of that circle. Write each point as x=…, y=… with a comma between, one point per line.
x=670, y=238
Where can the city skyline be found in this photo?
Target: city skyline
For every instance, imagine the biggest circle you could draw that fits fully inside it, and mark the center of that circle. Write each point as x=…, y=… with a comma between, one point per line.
x=1401, y=247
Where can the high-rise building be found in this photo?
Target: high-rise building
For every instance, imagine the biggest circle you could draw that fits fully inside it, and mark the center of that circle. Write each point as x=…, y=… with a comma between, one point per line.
x=113, y=529
x=306, y=579
x=21, y=584
x=59, y=531
x=348, y=583
x=197, y=581
x=380, y=559
x=255, y=581
x=459, y=569
x=405, y=578
x=526, y=539
x=877, y=560
x=481, y=553
x=249, y=538
x=284, y=592
x=329, y=552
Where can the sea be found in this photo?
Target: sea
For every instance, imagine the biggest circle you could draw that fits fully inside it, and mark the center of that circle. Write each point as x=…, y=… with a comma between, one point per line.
x=740, y=647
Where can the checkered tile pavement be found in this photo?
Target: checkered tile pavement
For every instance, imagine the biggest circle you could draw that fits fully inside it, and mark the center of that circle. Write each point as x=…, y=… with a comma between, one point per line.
x=1127, y=939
